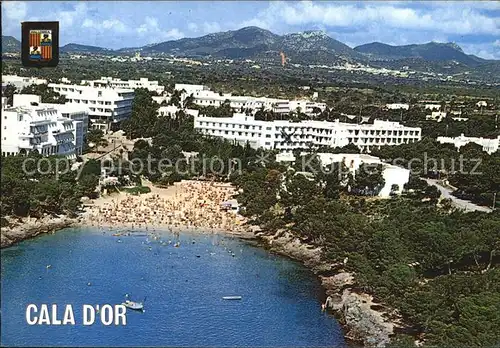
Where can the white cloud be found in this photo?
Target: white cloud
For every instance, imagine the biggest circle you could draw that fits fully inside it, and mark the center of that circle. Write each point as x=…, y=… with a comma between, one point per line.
x=14, y=10
x=151, y=28
x=13, y=13
x=479, y=5
x=485, y=50
x=204, y=28
x=193, y=27
x=173, y=34
x=211, y=27
x=67, y=18
x=88, y=23
x=457, y=19
x=254, y=22
x=114, y=25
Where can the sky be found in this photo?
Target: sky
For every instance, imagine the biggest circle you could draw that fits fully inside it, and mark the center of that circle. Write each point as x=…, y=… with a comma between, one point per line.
x=475, y=26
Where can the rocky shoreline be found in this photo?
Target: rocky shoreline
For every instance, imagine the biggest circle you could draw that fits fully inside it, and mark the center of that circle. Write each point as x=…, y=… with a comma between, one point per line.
x=26, y=228
x=365, y=322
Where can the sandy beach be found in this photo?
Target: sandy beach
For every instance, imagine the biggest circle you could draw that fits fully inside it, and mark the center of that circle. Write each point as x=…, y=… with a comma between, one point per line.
x=185, y=206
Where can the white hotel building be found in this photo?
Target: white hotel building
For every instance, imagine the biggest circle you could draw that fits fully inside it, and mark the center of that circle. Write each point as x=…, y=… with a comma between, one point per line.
x=71, y=111
x=397, y=106
x=395, y=177
x=107, y=107
x=273, y=135
x=21, y=81
x=489, y=145
x=152, y=86
x=205, y=97
x=39, y=128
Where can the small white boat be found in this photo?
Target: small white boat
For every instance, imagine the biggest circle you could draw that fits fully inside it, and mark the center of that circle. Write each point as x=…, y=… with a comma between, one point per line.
x=137, y=306
x=231, y=298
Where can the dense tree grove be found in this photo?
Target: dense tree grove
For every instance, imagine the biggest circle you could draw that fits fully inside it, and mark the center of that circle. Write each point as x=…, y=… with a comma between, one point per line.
x=33, y=185
x=47, y=95
x=436, y=266
x=474, y=172
x=8, y=93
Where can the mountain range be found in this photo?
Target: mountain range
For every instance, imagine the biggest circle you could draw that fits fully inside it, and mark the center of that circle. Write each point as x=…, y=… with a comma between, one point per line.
x=10, y=44
x=309, y=47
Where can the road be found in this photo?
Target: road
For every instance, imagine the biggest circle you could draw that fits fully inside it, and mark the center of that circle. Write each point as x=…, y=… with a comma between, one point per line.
x=457, y=202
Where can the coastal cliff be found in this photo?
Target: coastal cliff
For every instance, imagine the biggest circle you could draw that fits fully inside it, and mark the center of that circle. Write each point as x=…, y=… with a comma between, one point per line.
x=363, y=319
x=26, y=228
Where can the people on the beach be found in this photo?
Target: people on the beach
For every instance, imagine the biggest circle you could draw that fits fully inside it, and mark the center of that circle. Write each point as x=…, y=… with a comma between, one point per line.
x=195, y=205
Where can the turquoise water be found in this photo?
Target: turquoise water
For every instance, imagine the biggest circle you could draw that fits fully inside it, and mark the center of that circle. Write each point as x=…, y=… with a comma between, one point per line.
x=183, y=287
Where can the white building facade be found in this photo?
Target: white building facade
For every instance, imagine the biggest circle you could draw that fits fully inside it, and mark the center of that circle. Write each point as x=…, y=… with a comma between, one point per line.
x=205, y=97
x=108, y=107
x=171, y=111
x=78, y=113
x=432, y=107
x=396, y=106
x=437, y=116
x=111, y=82
x=190, y=89
x=395, y=177
x=21, y=81
x=489, y=145
x=287, y=136
x=41, y=129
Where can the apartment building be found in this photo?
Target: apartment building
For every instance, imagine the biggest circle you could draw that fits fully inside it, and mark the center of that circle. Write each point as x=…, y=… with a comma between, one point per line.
x=164, y=98
x=397, y=106
x=437, y=116
x=489, y=145
x=287, y=136
x=39, y=128
x=108, y=107
x=21, y=81
x=432, y=107
x=205, y=97
x=70, y=111
x=190, y=89
x=111, y=82
x=305, y=106
x=171, y=111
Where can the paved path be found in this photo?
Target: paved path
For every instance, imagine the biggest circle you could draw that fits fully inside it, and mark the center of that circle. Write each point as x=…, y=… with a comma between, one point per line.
x=459, y=203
